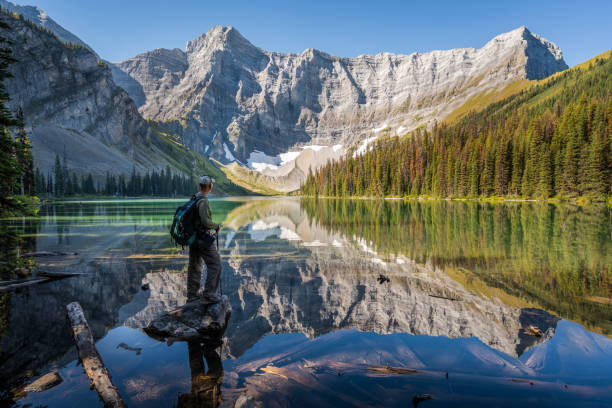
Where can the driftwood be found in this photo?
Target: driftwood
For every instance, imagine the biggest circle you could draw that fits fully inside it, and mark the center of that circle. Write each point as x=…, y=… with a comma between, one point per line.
x=41, y=278
x=44, y=383
x=47, y=253
x=59, y=275
x=18, y=283
x=392, y=370
x=98, y=375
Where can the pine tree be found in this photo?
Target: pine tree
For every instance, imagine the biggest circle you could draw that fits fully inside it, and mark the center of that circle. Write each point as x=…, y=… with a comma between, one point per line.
x=597, y=169
x=24, y=156
x=58, y=177
x=545, y=188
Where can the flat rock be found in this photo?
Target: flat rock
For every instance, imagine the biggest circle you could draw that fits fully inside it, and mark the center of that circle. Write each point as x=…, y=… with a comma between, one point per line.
x=196, y=319
x=44, y=383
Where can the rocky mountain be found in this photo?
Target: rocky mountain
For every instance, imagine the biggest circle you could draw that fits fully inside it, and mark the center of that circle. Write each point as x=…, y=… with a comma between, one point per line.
x=74, y=109
x=42, y=19
x=72, y=105
x=279, y=114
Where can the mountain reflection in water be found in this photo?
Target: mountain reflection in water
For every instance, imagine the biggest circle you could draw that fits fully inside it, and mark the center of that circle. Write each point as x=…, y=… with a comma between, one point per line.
x=467, y=281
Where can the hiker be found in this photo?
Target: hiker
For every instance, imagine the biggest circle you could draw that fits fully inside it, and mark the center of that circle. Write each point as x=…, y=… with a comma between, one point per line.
x=204, y=248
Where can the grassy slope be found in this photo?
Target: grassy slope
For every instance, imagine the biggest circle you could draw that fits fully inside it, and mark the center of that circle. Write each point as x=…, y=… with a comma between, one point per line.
x=248, y=179
x=480, y=102
x=185, y=159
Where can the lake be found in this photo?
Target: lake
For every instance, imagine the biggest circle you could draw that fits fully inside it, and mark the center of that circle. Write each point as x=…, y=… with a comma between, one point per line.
x=312, y=325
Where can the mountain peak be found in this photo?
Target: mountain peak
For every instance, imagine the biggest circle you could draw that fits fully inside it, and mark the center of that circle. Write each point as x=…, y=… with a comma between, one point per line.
x=220, y=37
x=543, y=58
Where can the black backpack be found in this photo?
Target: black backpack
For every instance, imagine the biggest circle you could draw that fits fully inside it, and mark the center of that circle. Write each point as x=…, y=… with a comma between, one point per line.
x=182, y=231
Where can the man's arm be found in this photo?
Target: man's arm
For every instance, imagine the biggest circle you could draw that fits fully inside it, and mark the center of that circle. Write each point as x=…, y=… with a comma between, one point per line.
x=205, y=219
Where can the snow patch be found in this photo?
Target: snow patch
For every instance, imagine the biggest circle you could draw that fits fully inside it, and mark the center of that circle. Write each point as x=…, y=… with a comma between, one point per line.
x=379, y=261
x=364, y=146
x=262, y=225
x=337, y=243
x=400, y=130
x=289, y=235
x=287, y=157
x=260, y=230
x=366, y=248
x=315, y=243
x=262, y=166
x=228, y=154
x=228, y=239
x=316, y=148
x=337, y=147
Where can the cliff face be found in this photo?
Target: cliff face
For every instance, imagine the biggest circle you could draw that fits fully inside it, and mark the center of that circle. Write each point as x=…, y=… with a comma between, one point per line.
x=72, y=105
x=242, y=104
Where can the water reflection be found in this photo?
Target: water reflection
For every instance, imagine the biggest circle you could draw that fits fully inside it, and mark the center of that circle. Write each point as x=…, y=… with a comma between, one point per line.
x=206, y=379
x=468, y=283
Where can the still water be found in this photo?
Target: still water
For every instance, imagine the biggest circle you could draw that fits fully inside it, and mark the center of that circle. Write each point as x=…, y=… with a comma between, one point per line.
x=311, y=323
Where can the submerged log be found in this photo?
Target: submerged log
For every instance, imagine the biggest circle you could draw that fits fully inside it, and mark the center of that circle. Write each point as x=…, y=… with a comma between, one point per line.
x=44, y=383
x=98, y=375
x=196, y=319
x=392, y=370
x=18, y=283
x=41, y=278
x=47, y=253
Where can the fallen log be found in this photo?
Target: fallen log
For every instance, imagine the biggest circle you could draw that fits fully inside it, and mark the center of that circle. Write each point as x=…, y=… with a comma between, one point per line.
x=59, y=275
x=41, y=278
x=47, y=253
x=18, y=283
x=95, y=369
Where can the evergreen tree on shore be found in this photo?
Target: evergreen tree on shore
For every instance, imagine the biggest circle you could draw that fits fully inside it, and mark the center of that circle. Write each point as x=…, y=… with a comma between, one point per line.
x=552, y=140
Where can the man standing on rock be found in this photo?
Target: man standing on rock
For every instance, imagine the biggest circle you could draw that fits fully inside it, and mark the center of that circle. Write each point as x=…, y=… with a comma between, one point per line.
x=204, y=248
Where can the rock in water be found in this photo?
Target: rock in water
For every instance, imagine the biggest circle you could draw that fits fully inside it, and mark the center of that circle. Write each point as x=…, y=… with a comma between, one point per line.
x=196, y=319
x=247, y=401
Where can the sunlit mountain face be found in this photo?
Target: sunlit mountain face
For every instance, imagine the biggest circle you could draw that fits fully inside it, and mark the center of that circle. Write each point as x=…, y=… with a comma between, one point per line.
x=480, y=307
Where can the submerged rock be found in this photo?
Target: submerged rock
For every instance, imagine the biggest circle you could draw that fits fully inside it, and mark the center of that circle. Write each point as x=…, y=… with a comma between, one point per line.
x=247, y=401
x=196, y=319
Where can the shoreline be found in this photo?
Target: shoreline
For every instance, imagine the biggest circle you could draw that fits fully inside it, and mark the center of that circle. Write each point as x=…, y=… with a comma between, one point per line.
x=576, y=201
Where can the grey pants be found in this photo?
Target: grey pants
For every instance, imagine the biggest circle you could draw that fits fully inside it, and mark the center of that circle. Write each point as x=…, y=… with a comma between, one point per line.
x=211, y=257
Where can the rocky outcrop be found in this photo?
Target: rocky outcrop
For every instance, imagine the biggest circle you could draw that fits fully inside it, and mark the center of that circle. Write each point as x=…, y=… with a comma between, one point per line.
x=195, y=320
x=235, y=101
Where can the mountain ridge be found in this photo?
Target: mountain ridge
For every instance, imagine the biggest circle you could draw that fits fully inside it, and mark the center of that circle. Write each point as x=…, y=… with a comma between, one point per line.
x=234, y=101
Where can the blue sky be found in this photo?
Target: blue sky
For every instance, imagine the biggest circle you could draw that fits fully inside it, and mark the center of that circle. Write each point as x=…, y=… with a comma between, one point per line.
x=121, y=29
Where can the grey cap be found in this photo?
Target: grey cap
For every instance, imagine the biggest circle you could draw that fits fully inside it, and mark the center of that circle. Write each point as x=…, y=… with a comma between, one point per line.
x=206, y=181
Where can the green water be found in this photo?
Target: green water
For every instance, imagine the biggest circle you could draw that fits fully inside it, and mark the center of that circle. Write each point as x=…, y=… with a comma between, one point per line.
x=310, y=316
x=557, y=256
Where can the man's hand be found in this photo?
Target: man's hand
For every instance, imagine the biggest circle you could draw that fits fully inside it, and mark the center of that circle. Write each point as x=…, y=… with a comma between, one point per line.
x=218, y=228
